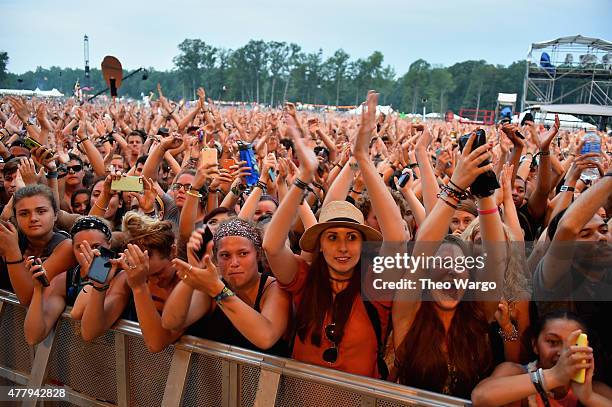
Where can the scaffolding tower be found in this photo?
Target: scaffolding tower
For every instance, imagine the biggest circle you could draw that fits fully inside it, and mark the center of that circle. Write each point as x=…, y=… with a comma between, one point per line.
x=573, y=69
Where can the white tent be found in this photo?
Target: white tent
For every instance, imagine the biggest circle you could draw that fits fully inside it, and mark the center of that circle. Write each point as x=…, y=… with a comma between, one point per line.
x=379, y=109
x=54, y=93
x=568, y=121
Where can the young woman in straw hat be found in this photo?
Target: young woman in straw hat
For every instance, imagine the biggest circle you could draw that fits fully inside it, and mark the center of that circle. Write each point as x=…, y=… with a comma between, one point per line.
x=334, y=326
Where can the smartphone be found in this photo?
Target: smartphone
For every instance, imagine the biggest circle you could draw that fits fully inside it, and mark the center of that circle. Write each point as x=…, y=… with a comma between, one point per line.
x=226, y=163
x=403, y=180
x=30, y=143
x=207, y=236
x=200, y=135
x=580, y=375
x=101, y=266
x=272, y=174
x=128, y=183
x=43, y=279
x=480, y=140
x=208, y=156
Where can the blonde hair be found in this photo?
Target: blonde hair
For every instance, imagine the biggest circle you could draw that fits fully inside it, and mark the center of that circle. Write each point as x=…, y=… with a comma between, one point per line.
x=148, y=233
x=516, y=284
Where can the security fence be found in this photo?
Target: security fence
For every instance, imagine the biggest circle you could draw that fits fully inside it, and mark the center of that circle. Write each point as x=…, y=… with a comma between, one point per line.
x=118, y=370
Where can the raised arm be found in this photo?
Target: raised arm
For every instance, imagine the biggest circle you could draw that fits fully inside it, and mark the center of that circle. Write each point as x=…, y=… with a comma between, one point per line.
x=429, y=182
x=539, y=198
x=282, y=261
x=383, y=205
x=573, y=221
x=263, y=328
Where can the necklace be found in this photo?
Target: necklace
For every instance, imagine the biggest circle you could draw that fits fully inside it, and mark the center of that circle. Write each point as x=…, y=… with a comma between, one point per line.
x=340, y=280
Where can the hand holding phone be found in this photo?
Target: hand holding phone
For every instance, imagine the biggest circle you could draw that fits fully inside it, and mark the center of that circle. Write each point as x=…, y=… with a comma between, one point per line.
x=43, y=277
x=581, y=375
x=128, y=183
x=207, y=236
x=101, y=266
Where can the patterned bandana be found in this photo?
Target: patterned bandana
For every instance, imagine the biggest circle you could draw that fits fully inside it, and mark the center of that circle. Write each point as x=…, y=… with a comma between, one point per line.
x=91, y=222
x=238, y=227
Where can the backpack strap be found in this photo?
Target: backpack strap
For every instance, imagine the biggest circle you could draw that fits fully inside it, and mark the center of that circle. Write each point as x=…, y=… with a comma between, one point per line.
x=374, y=317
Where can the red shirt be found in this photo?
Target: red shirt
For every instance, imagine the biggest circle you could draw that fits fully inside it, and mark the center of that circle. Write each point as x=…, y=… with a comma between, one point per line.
x=357, y=352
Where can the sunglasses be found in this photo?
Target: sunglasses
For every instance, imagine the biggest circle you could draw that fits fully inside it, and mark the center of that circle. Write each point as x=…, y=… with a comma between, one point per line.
x=330, y=355
x=74, y=168
x=176, y=186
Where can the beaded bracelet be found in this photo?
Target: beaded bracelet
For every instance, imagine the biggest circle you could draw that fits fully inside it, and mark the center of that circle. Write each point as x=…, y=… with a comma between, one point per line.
x=451, y=192
x=511, y=337
x=300, y=184
x=440, y=196
x=262, y=186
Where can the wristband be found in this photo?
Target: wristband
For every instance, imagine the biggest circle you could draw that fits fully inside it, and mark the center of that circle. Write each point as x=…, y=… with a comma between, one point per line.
x=52, y=174
x=14, y=262
x=413, y=165
x=262, y=186
x=488, y=211
x=300, y=184
x=225, y=293
x=456, y=186
x=566, y=188
x=446, y=202
x=608, y=174
x=194, y=194
x=544, y=153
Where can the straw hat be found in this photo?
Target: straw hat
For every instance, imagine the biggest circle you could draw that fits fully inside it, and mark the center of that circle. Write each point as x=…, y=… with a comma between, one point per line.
x=337, y=214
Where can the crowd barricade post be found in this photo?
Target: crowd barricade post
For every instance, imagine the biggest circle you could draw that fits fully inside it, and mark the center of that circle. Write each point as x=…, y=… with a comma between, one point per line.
x=118, y=370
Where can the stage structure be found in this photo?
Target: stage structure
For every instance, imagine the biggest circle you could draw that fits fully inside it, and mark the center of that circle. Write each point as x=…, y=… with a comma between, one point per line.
x=573, y=69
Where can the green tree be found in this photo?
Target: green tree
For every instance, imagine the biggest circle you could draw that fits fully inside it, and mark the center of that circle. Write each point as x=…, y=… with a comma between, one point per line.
x=4, y=59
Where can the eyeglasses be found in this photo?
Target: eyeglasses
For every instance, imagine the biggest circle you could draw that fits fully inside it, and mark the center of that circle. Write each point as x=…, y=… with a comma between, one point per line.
x=75, y=168
x=330, y=355
x=176, y=186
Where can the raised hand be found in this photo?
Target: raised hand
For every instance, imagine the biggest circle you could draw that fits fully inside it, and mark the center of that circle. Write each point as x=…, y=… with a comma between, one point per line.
x=468, y=169
x=146, y=200
x=205, y=278
x=361, y=143
x=28, y=172
x=307, y=157
x=544, y=143
x=136, y=264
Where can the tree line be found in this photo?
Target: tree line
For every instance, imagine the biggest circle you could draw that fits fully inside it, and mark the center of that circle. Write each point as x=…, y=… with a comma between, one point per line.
x=271, y=72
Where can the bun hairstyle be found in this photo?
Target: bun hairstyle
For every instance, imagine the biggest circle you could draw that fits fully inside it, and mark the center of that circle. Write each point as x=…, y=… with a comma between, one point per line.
x=148, y=233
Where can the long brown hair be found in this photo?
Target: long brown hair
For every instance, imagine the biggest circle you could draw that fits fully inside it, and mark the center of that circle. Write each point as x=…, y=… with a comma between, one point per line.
x=317, y=300
x=424, y=365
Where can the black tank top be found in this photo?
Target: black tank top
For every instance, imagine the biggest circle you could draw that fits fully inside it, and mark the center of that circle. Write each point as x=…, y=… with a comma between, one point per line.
x=58, y=237
x=216, y=326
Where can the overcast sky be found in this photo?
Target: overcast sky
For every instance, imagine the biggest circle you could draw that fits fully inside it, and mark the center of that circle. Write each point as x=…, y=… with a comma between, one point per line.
x=146, y=33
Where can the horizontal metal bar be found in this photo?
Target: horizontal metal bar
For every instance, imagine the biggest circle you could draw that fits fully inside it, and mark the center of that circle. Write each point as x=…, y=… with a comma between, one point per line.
x=289, y=367
x=14, y=376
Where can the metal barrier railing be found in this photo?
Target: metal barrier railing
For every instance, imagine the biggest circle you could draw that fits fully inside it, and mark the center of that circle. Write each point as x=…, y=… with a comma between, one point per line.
x=118, y=370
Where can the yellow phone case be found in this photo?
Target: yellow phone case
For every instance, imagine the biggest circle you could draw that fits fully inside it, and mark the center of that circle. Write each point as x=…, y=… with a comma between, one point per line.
x=580, y=376
x=128, y=183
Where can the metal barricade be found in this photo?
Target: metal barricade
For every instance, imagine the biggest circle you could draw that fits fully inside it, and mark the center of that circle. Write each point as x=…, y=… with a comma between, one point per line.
x=118, y=370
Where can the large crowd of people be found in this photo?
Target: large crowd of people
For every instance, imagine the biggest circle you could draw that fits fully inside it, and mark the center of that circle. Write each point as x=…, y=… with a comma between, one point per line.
x=249, y=227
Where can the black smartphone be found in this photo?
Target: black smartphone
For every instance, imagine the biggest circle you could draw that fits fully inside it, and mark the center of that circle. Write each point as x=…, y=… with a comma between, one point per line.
x=101, y=265
x=480, y=140
x=43, y=279
x=207, y=236
x=486, y=183
x=403, y=180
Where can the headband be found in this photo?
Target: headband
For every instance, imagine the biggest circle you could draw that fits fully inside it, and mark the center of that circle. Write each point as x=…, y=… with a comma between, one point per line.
x=238, y=227
x=91, y=222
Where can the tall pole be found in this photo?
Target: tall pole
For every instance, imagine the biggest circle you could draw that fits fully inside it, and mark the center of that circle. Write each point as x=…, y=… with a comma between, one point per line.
x=86, y=58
